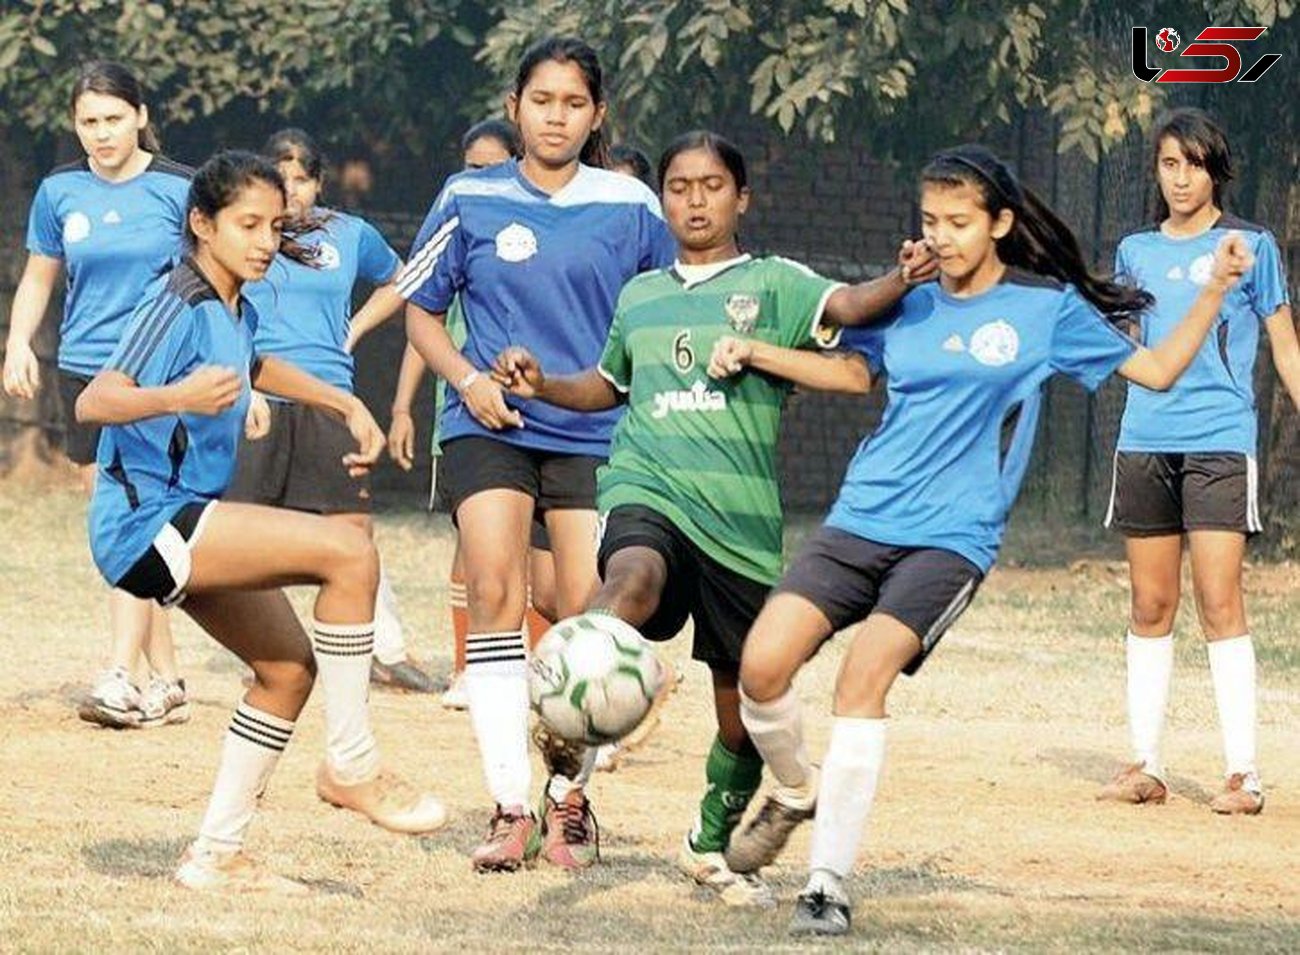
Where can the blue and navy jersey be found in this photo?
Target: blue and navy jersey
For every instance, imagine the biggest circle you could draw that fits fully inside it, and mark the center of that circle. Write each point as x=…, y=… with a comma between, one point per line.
x=114, y=238
x=305, y=310
x=537, y=270
x=1212, y=406
x=965, y=380
x=149, y=469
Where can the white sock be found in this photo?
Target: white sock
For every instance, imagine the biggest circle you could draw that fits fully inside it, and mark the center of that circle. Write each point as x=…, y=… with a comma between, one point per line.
x=390, y=647
x=776, y=727
x=1232, y=669
x=560, y=786
x=497, y=686
x=1150, y=667
x=850, y=772
x=828, y=884
x=343, y=653
x=252, y=747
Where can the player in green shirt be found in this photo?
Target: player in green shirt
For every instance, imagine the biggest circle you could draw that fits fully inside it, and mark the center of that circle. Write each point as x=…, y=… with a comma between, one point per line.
x=691, y=514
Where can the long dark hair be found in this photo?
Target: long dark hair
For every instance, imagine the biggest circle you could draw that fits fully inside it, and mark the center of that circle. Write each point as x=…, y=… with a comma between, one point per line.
x=1202, y=141
x=497, y=129
x=290, y=144
x=1039, y=241
x=114, y=79
x=569, y=49
x=622, y=154
x=217, y=184
x=719, y=146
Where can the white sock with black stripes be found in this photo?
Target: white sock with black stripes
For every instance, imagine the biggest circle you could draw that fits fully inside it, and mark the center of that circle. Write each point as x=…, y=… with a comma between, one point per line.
x=850, y=772
x=497, y=686
x=343, y=653
x=254, y=741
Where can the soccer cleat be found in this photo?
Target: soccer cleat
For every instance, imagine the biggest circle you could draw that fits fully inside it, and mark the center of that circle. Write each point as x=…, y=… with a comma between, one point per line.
x=1132, y=785
x=816, y=913
x=114, y=702
x=762, y=840
x=511, y=841
x=456, y=697
x=1241, y=796
x=570, y=834
x=407, y=675
x=384, y=799
x=735, y=889
x=163, y=703
x=231, y=872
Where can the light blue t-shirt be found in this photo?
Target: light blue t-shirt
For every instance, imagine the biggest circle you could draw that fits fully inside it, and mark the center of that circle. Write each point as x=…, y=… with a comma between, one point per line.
x=115, y=238
x=537, y=270
x=150, y=469
x=305, y=310
x=1211, y=408
x=965, y=380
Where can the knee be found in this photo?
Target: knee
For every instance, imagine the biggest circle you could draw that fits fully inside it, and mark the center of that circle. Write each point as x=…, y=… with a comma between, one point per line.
x=1153, y=608
x=634, y=587
x=863, y=692
x=289, y=680
x=1221, y=611
x=762, y=679
x=353, y=558
x=491, y=591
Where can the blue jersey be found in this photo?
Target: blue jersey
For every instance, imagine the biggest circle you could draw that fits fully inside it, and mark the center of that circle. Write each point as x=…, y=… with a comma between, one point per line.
x=150, y=469
x=114, y=238
x=537, y=270
x=305, y=310
x=1212, y=406
x=965, y=381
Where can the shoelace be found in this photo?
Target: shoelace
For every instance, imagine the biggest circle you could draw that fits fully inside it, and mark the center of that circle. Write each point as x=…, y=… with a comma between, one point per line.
x=574, y=827
x=500, y=827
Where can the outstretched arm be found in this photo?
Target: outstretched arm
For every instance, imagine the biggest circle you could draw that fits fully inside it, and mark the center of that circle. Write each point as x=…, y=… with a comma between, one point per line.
x=113, y=397
x=518, y=370
x=867, y=301
x=840, y=371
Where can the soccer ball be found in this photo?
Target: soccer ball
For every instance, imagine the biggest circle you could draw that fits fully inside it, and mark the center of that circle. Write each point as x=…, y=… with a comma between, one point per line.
x=592, y=678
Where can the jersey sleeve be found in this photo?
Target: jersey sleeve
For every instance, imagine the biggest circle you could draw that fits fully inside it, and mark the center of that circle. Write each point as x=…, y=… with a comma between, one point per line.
x=376, y=259
x=158, y=343
x=1085, y=345
x=801, y=296
x=44, y=234
x=658, y=247
x=869, y=342
x=1267, y=290
x=436, y=269
x=615, y=364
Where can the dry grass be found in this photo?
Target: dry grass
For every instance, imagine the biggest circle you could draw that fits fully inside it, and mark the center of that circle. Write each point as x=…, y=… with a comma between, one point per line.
x=986, y=835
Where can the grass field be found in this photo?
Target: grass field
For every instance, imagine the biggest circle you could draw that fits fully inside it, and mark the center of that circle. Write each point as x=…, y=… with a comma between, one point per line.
x=985, y=835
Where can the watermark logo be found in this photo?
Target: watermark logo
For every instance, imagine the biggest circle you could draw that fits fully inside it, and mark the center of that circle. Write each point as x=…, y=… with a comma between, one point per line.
x=1215, y=42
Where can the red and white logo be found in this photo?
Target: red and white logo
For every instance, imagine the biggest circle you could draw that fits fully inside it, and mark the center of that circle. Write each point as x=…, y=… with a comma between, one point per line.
x=1168, y=40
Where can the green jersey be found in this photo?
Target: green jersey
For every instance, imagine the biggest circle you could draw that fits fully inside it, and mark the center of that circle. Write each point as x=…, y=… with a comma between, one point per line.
x=456, y=329
x=699, y=451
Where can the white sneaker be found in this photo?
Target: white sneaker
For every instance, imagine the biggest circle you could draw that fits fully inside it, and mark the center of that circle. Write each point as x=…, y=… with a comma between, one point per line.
x=737, y=890
x=163, y=703
x=456, y=697
x=231, y=872
x=114, y=702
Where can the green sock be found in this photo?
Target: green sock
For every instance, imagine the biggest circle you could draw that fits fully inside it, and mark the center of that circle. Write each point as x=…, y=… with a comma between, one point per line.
x=733, y=779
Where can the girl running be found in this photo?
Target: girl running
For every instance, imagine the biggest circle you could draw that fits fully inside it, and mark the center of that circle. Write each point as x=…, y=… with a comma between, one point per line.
x=920, y=516
x=305, y=318
x=113, y=220
x=691, y=514
x=172, y=399
x=489, y=143
x=1185, y=463
x=537, y=251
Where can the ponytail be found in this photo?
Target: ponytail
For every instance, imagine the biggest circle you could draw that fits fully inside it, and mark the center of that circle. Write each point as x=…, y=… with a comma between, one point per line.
x=1039, y=241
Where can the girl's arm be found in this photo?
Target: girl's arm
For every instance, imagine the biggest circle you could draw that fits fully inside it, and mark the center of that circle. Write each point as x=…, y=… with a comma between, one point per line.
x=1286, y=350
x=277, y=377
x=520, y=371
x=1159, y=367
x=383, y=304
x=861, y=303
x=840, y=371
x=401, y=428
x=484, y=397
x=113, y=397
x=22, y=370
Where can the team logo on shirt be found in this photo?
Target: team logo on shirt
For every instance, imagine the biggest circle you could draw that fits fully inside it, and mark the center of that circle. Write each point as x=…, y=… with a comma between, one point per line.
x=953, y=343
x=1201, y=269
x=995, y=344
x=112, y=217
x=1176, y=274
x=327, y=256
x=516, y=243
x=742, y=312
x=76, y=227
x=697, y=398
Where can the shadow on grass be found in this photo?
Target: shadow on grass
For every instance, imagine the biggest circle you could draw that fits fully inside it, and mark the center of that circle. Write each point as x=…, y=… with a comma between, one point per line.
x=134, y=858
x=1099, y=768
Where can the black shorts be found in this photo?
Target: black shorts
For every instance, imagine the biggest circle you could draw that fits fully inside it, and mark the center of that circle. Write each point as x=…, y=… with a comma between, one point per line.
x=299, y=465
x=540, y=538
x=555, y=481
x=80, y=441
x=1154, y=494
x=723, y=603
x=163, y=571
x=849, y=577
